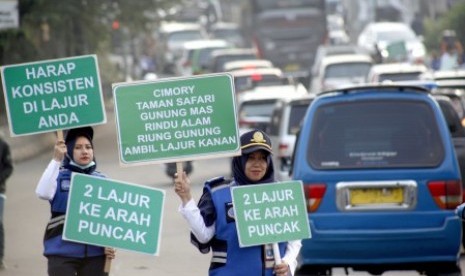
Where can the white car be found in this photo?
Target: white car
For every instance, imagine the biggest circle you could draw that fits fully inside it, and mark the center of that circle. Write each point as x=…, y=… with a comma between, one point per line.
x=395, y=72
x=340, y=71
x=247, y=64
x=184, y=63
x=256, y=106
x=386, y=34
x=171, y=37
x=286, y=120
x=247, y=79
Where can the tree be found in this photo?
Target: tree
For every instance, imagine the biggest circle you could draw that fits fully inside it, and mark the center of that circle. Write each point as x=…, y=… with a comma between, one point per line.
x=451, y=20
x=57, y=29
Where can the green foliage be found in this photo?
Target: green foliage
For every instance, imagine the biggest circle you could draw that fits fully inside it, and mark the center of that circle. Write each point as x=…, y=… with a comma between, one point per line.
x=56, y=29
x=433, y=29
x=453, y=20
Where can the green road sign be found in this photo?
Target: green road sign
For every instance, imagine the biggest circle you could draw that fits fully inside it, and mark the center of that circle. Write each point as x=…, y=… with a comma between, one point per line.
x=53, y=95
x=270, y=213
x=114, y=214
x=171, y=120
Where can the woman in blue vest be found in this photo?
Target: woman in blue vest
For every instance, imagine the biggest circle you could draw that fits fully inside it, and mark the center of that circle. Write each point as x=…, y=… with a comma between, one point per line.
x=73, y=155
x=212, y=220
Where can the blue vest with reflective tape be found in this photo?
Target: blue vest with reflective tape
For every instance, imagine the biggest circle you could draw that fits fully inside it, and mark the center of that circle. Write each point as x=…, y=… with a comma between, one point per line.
x=228, y=259
x=53, y=240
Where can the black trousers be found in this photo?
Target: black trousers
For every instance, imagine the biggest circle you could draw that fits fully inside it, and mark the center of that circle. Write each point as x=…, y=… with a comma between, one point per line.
x=66, y=266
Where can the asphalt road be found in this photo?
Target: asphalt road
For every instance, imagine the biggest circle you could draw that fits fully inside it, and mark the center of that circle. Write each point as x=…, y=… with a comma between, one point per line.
x=26, y=215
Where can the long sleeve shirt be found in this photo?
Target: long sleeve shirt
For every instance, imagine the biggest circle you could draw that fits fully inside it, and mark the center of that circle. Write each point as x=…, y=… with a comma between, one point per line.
x=204, y=234
x=46, y=187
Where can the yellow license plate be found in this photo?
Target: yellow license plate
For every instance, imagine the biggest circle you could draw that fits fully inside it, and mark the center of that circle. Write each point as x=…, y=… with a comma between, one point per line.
x=363, y=196
x=291, y=67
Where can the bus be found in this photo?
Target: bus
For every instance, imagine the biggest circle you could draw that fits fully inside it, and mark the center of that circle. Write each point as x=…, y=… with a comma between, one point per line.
x=286, y=32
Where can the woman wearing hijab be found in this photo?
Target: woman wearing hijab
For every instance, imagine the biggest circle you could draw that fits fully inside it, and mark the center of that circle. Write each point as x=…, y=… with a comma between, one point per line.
x=212, y=220
x=73, y=155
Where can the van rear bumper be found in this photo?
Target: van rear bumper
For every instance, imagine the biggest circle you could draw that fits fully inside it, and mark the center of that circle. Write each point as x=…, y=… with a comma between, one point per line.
x=383, y=246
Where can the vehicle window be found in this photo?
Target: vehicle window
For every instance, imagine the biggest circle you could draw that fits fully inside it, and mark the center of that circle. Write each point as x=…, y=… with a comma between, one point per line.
x=399, y=76
x=257, y=108
x=263, y=5
x=276, y=118
x=242, y=83
x=458, y=106
x=347, y=70
x=227, y=34
x=221, y=60
x=452, y=118
x=185, y=36
x=373, y=134
x=396, y=35
x=295, y=117
x=456, y=98
x=205, y=55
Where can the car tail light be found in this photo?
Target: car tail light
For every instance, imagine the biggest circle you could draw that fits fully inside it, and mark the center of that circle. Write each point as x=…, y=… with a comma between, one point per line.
x=314, y=193
x=282, y=149
x=256, y=77
x=446, y=193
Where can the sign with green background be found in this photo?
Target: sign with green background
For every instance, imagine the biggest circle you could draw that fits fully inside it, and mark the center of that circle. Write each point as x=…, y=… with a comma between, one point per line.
x=110, y=213
x=52, y=95
x=171, y=120
x=270, y=213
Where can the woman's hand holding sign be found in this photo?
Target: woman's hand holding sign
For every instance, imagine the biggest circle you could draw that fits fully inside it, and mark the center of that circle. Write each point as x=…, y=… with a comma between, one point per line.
x=182, y=187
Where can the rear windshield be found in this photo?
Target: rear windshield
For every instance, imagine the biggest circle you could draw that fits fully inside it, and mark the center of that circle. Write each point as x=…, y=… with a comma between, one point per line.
x=220, y=61
x=242, y=83
x=257, y=108
x=205, y=55
x=374, y=134
x=399, y=76
x=185, y=36
x=263, y=5
x=347, y=70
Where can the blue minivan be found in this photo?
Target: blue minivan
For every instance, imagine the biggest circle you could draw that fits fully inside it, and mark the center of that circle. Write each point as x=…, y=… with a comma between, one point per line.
x=381, y=181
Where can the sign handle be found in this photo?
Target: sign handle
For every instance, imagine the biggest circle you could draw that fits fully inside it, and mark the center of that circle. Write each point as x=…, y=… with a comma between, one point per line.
x=107, y=265
x=277, y=255
x=179, y=168
x=60, y=135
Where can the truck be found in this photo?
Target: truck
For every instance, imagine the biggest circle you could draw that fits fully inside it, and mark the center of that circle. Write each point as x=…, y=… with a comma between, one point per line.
x=286, y=32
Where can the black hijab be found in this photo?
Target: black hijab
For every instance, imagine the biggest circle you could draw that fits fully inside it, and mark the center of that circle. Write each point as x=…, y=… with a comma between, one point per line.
x=70, y=142
x=238, y=167
x=253, y=141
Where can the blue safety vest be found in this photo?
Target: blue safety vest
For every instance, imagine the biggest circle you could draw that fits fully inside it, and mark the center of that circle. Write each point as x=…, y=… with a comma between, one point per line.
x=228, y=259
x=53, y=238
